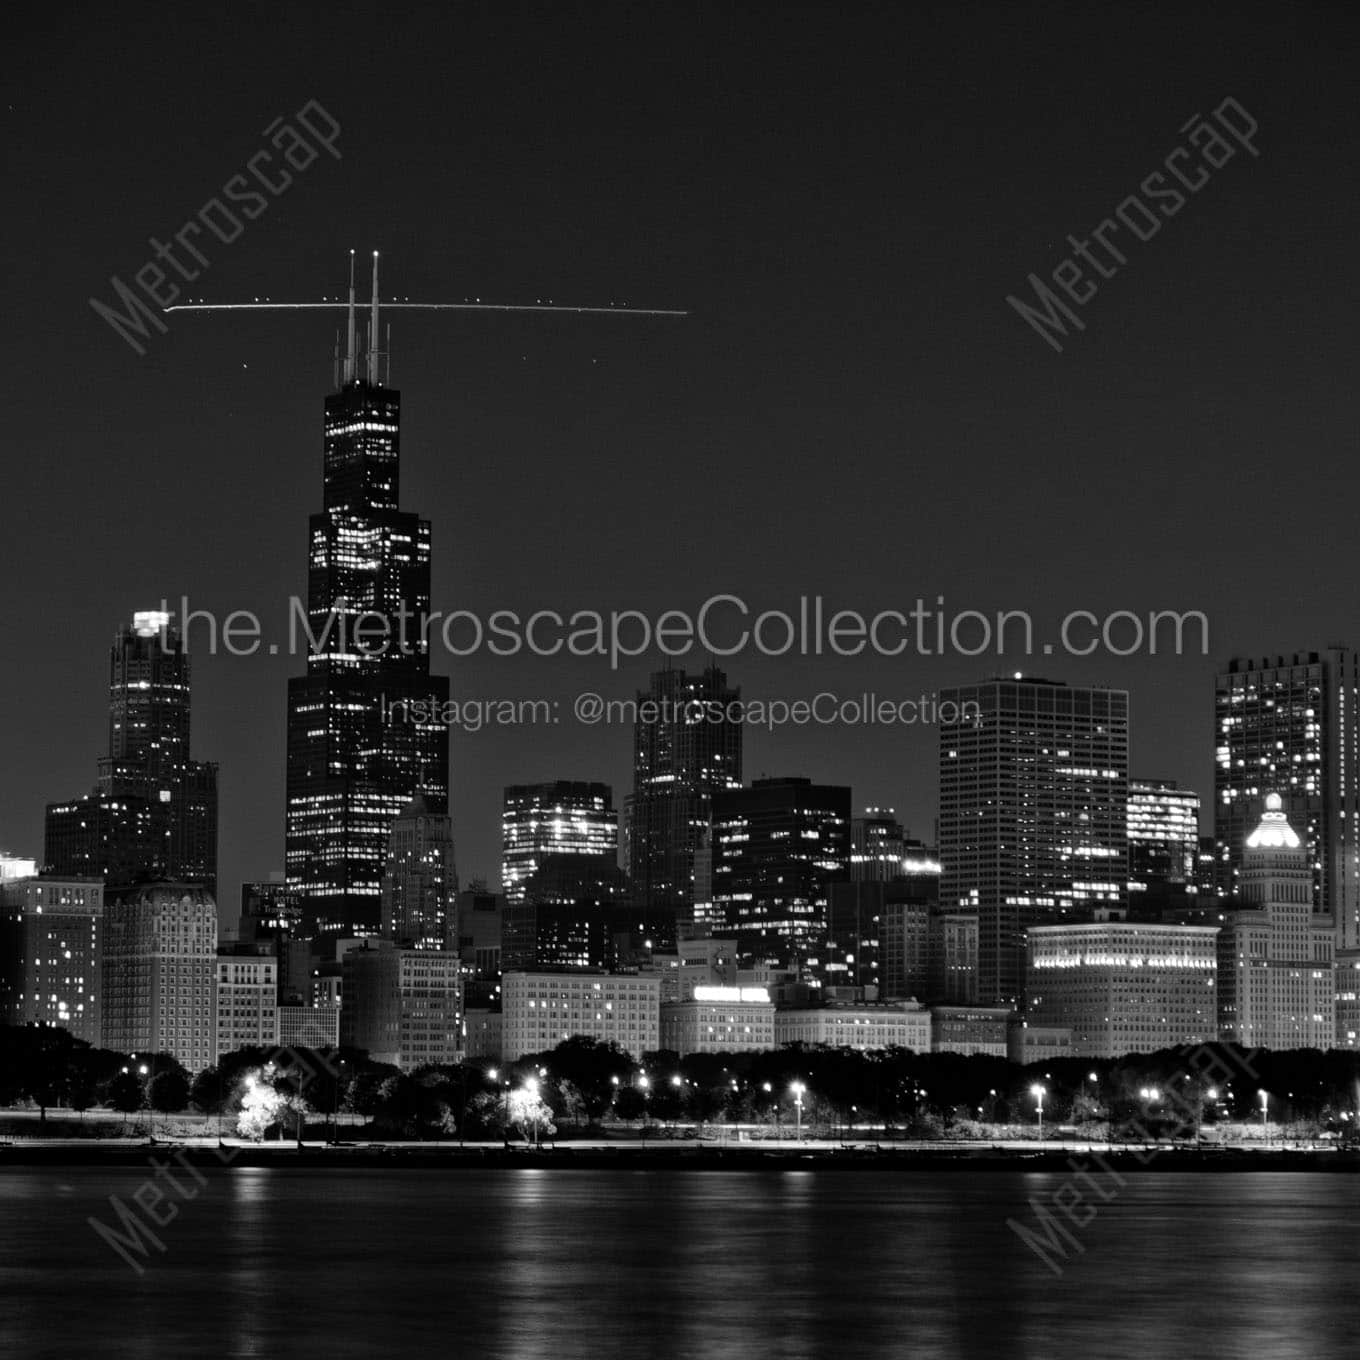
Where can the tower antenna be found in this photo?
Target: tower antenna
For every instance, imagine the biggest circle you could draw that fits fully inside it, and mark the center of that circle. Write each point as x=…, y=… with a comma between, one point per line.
x=373, y=329
x=349, y=351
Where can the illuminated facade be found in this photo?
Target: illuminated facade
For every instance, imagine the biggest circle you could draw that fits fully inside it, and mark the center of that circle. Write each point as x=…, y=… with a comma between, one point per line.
x=565, y=817
x=778, y=847
x=970, y=1029
x=1289, y=725
x=247, y=999
x=1125, y=986
x=719, y=1020
x=153, y=811
x=541, y=1009
x=903, y=1024
x=365, y=723
x=881, y=850
x=1277, y=957
x=50, y=952
x=420, y=881
x=1163, y=844
x=684, y=752
x=160, y=972
x=1033, y=824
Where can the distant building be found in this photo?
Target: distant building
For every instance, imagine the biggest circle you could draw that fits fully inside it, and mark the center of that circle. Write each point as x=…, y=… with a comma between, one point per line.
x=482, y=1034
x=16, y=866
x=1033, y=824
x=541, y=1009
x=686, y=749
x=51, y=952
x=564, y=817
x=402, y=1006
x=900, y=1024
x=420, y=880
x=1163, y=821
x=153, y=811
x=160, y=972
x=479, y=920
x=1027, y=1043
x=1276, y=967
x=309, y=1026
x=778, y=847
x=719, y=1020
x=247, y=999
x=271, y=914
x=970, y=1029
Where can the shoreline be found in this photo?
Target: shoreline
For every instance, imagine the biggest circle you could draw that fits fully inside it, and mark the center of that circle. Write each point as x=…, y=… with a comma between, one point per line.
x=635, y=1157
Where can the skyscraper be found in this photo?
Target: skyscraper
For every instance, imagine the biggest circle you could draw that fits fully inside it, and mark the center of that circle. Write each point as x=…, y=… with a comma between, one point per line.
x=777, y=849
x=153, y=811
x=364, y=723
x=1033, y=814
x=685, y=749
x=420, y=880
x=562, y=817
x=1290, y=725
x=1163, y=844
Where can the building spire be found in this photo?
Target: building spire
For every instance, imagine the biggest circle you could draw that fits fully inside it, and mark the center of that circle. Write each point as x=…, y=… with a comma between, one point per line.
x=373, y=329
x=349, y=348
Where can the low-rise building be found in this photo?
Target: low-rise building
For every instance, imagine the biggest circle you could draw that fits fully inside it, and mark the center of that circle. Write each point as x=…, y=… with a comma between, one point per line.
x=247, y=999
x=540, y=1009
x=719, y=1019
x=1026, y=1043
x=903, y=1024
x=402, y=1006
x=309, y=1026
x=970, y=1029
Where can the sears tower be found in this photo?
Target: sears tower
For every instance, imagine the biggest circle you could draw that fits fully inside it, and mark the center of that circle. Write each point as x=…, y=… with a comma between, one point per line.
x=356, y=757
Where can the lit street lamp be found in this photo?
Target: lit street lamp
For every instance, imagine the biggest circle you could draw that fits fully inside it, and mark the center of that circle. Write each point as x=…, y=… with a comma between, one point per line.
x=1038, y=1093
x=1265, y=1105
x=798, y=1088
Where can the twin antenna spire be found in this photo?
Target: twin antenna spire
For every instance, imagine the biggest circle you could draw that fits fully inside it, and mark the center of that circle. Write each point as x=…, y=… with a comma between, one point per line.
x=351, y=350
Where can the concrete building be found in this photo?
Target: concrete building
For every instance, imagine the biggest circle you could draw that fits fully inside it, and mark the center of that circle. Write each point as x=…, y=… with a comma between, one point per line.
x=1124, y=986
x=1277, y=956
x=719, y=1020
x=542, y=1009
x=970, y=1029
x=160, y=972
x=247, y=999
x=482, y=1034
x=50, y=953
x=1026, y=1043
x=420, y=880
x=402, y=1006
x=309, y=1026
x=902, y=1024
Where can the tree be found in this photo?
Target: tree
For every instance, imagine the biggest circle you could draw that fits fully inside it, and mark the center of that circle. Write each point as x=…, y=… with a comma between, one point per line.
x=630, y=1104
x=126, y=1093
x=528, y=1114
x=260, y=1106
x=591, y=1066
x=168, y=1091
x=207, y=1091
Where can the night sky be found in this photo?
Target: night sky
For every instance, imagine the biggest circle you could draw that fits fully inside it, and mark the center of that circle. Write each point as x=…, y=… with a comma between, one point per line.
x=843, y=196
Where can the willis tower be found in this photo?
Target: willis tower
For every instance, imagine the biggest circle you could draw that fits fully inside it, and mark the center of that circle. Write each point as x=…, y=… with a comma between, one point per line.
x=356, y=756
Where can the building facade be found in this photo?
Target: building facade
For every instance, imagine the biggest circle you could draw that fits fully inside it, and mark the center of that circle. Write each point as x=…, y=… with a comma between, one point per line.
x=247, y=999
x=51, y=953
x=541, y=1009
x=562, y=817
x=719, y=1020
x=1125, y=986
x=420, y=880
x=1163, y=845
x=1033, y=822
x=970, y=1029
x=402, y=1006
x=901, y=1024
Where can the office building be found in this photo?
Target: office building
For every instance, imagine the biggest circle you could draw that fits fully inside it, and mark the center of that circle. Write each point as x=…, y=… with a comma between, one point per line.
x=420, y=881
x=719, y=1020
x=160, y=972
x=366, y=722
x=309, y=1026
x=401, y=1006
x=1289, y=725
x=1029, y=1044
x=564, y=914
x=858, y=1025
x=1033, y=825
x=685, y=750
x=1277, y=958
x=564, y=817
x=778, y=847
x=1163, y=823
x=153, y=811
x=1125, y=986
x=970, y=1029
x=247, y=999
x=50, y=954
x=479, y=920
x=541, y=1009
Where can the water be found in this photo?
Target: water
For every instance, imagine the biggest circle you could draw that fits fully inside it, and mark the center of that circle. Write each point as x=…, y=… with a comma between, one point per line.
x=562, y=1264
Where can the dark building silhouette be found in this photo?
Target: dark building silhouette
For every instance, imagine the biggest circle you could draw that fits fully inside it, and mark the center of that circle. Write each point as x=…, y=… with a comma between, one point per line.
x=153, y=811
x=365, y=723
x=778, y=847
x=685, y=750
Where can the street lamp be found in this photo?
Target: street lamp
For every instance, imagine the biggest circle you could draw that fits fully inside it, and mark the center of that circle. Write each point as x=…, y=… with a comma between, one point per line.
x=1038, y=1093
x=1265, y=1105
x=798, y=1088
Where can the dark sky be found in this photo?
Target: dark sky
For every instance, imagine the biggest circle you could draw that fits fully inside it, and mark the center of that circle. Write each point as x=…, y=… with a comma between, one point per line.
x=842, y=195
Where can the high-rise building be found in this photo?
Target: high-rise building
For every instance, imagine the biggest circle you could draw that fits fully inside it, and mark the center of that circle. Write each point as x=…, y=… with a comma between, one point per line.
x=778, y=847
x=1163, y=845
x=479, y=929
x=271, y=914
x=160, y=972
x=247, y=998
x=882, y=850
x=366, y=728
x=565, y=914
x=153, y=811
x=1125, y=986
x=402, y=1006
x=564, y=817
x=50, y=954
x=1033, y=822
x=1290, y=725
x=686, y=749
x=1277, y=961
x=420, y=880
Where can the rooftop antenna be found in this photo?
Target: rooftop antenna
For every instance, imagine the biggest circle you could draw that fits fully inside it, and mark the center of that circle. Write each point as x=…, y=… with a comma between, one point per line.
x=349, y=351
x=373, y=329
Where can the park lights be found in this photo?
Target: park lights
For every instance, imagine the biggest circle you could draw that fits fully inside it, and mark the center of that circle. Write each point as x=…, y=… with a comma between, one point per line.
x=1265, y=1106
x=798, y=1088
x=1038, y=1092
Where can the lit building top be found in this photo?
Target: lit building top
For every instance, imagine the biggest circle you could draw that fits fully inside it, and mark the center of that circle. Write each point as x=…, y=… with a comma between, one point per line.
x=1274, y=831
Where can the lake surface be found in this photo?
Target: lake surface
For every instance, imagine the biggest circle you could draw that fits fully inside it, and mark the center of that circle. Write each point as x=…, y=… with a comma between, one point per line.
x=555, y=1265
